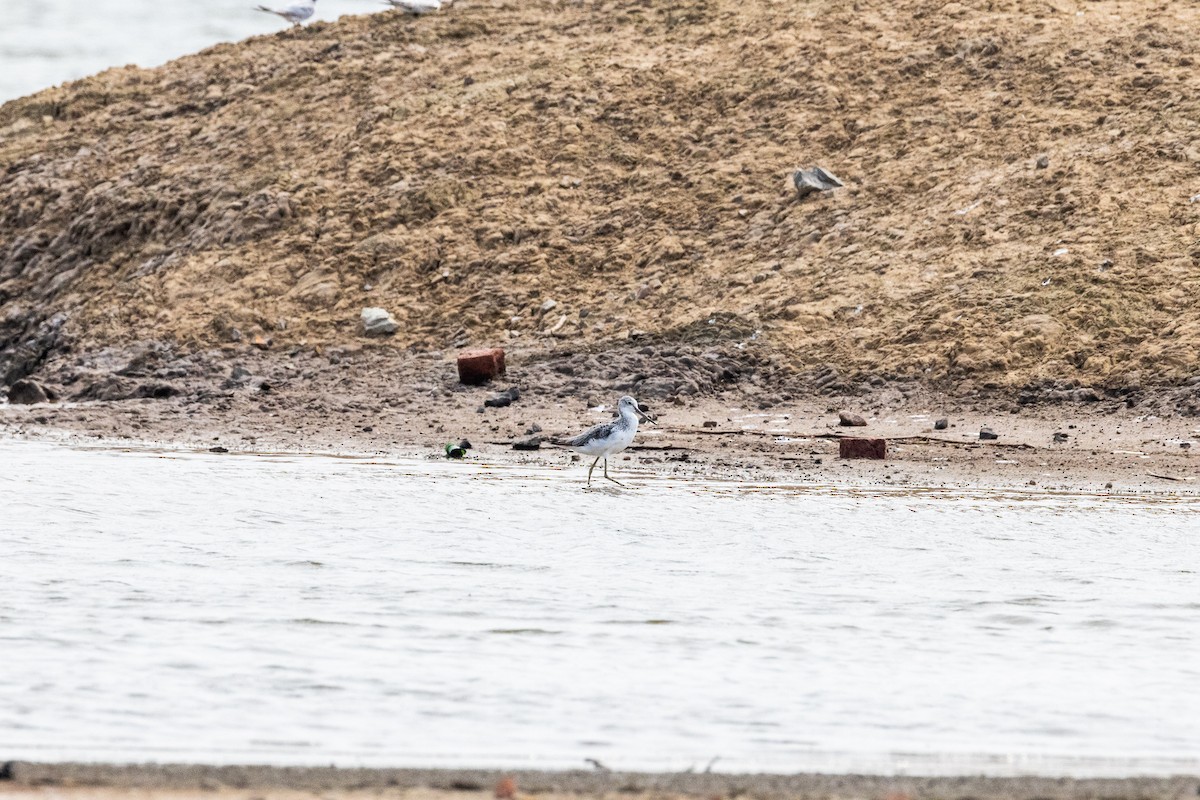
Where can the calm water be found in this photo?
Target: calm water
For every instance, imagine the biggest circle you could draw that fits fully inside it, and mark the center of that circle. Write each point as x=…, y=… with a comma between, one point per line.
x=46, y=42
x=295, y=609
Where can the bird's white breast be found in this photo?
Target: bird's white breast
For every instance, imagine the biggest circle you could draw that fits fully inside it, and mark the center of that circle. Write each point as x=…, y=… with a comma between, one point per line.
x=618, y=440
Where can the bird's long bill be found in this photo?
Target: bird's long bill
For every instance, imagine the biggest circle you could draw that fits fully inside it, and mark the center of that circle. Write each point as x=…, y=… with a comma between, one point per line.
x=646, y=416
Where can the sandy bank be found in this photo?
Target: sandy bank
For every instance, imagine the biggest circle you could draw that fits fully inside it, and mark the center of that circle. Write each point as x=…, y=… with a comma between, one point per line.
x=566, y=177
x=30, y=781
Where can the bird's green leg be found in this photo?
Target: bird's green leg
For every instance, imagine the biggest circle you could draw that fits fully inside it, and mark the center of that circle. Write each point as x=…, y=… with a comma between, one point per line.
x=614, y=480
x=592, y=467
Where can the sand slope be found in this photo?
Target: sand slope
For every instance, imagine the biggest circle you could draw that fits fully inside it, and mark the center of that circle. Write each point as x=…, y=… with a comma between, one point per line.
x=629, y=162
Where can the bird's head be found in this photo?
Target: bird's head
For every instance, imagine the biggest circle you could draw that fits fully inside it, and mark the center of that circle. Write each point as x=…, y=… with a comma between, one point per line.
x=627, y=403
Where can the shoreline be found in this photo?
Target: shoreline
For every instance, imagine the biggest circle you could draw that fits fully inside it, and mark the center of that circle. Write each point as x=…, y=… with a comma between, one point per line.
x=374, y=403
x=35, y=779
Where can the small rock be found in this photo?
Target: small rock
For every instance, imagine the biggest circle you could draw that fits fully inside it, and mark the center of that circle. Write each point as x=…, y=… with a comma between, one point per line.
x=504, y=399
x=378, y=322
x=548, y=306
x=812, y=180
x=27, y=393
x=480, y=366
x=218, y=449
x=708, y=423
x=464, y=444
x=1186, y=445
x=1042, y=162
x=1060, y=437
x=239, y=373
x=941, y=425
x=532, y=443
x=862, y=448
x=262, y=342
x=534, y=428
x=847, y=420
x=987, y=434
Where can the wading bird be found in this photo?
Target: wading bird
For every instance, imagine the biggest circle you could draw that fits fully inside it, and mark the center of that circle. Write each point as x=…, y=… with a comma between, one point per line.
x=609, y=438
x=417, y=7
x=294, y=12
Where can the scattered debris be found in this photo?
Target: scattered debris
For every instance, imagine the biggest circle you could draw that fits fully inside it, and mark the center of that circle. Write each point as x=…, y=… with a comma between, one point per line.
x=942, y=424
x=532, y=429
x=1168, y=477
x=506, y=789
x=862, y=448
x=504, y=399
x=378, y=322
x=812, y=180
x=987, y=434
x=480, y=366
x=457, y=450
x=848, y=420
x=1060, y=437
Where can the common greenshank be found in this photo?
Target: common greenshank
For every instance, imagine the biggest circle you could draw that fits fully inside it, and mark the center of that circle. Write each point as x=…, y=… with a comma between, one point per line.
x=609, y=438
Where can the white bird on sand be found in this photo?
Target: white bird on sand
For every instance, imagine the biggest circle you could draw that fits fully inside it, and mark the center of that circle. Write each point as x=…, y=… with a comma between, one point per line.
x=609, y=438
x=417, y=7
x=294, y=12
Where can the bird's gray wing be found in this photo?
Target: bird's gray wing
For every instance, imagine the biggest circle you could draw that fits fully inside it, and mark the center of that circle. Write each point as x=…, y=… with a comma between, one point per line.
x=600, y=431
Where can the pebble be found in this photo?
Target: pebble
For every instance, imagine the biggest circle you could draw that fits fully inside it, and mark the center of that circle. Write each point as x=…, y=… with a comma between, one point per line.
x=847, y=420
x=26, y=393
x=378, y=322
x=942, y=424
x=504, y=399
x=987, y=434
x=532, y=443
x=817, y=179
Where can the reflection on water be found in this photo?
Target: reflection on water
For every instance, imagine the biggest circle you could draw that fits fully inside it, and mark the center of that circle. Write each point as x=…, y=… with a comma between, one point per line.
x=198, y=607
x=46, y=42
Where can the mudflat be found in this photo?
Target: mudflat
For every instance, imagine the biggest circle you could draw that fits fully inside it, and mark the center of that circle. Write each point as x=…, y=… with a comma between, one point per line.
x=369, y=401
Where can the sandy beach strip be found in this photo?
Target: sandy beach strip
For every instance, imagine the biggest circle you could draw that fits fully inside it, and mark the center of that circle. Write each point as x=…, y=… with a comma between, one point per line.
x=43, y=781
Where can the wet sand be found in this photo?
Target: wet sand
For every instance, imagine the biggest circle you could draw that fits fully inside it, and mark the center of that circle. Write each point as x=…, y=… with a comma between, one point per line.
x=29, y=781
x=380, y=405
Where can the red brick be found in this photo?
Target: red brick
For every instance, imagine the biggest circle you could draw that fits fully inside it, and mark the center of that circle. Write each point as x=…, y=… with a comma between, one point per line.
x=480, y=366
x=862, y=448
